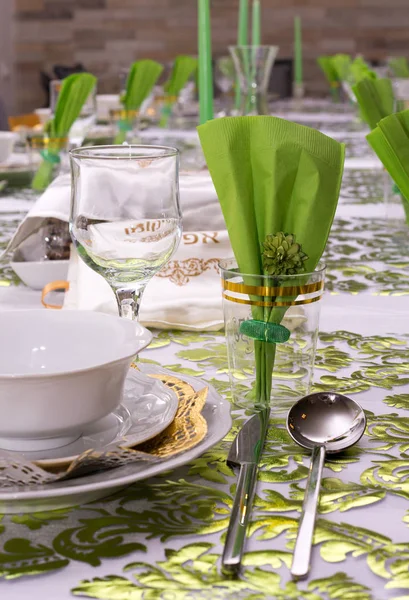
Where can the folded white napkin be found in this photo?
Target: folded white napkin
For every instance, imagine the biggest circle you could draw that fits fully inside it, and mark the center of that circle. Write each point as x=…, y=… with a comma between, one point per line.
x=200, y=206
x=186, y=294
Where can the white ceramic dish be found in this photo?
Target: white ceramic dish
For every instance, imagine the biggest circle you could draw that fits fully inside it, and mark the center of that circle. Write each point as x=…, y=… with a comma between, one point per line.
x=92, y=487
x=7, y=141
x=147, y=408
x=60, y=371
x=36, y=274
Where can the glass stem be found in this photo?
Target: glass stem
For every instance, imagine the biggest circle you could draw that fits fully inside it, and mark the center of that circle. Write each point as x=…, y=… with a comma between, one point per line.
x=129, y=301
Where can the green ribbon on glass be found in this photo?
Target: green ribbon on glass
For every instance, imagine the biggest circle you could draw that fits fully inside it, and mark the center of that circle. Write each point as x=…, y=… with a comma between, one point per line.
x=273, y=333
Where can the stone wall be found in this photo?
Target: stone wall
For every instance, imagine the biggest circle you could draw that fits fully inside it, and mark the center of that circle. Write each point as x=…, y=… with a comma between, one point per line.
x=107, y=35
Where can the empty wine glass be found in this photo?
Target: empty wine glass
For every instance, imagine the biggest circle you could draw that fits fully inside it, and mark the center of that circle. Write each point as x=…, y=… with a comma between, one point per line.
x=125, y=217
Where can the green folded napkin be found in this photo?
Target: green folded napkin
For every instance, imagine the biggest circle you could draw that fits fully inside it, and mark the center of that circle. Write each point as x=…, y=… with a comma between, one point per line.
x=358, y=70
x=390, y=141
x=142, y=76
x=183, y=68
x=399, y=66
x=341, y=64
x=327, y=66
x=74, y=92
x=273, y=176
x=375, y=98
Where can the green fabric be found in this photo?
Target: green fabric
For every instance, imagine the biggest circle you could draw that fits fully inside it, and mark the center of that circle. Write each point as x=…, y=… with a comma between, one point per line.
x=399, y=66
x=375, y=98
x=272, y=175
x=142, y=76
x=183, y=68
x=390, y=141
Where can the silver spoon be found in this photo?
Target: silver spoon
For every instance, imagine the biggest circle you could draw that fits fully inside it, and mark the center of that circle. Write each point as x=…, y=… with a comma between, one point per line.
x=322, y=422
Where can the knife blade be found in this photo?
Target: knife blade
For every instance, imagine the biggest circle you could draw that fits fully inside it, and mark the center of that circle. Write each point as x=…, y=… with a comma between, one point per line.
x=245, y=453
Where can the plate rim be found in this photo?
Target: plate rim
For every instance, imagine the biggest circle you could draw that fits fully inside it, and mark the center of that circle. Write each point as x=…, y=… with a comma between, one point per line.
x=225, y=421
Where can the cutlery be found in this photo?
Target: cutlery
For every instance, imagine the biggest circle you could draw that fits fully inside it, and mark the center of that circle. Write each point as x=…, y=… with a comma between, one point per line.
x=245, y=453
x=322, y=422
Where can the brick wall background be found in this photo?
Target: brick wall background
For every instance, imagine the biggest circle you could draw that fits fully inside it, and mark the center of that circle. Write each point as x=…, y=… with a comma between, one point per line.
x=107, y=35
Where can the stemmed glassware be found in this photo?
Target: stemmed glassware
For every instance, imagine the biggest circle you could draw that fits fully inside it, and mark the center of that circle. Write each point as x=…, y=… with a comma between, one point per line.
x=125, y=217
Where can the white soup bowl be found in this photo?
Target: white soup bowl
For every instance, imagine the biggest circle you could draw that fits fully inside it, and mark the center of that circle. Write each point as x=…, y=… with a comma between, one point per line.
x=60, y=371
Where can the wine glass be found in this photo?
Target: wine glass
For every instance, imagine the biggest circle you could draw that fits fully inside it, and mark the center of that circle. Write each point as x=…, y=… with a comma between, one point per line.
x=125, y=219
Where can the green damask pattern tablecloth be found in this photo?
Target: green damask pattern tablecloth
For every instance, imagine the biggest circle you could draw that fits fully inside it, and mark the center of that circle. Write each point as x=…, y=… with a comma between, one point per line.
x=163, y=538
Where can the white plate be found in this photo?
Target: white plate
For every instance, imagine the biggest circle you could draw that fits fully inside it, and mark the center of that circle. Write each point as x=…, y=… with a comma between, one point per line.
x=92, y=487
x=148, y=407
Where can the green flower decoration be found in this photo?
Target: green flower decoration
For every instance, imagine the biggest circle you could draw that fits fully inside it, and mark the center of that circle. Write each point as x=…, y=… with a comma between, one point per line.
x=282, y=255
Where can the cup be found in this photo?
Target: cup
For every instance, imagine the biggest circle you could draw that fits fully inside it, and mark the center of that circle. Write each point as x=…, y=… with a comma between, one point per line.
x=259, y=308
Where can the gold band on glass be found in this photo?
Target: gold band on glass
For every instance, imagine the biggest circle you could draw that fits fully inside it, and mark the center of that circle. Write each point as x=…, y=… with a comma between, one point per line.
x=271, y=304
x=123, y=114
x=254, y=290
x=42, y=142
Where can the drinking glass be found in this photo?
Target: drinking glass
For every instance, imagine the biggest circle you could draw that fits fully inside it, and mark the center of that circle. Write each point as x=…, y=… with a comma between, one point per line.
x=253, y=66
x=251, y=301
x=125, y=219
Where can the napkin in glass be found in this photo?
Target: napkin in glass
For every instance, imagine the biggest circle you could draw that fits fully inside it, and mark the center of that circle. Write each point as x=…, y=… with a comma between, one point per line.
x=142, y=76
x=272, y=176
x=183, y=68
x=75, y=90
x=327, y=66
x=390, y=141
x=375, y=98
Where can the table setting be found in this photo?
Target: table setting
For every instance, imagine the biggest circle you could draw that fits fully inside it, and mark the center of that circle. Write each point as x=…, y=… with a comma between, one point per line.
x=204, y=376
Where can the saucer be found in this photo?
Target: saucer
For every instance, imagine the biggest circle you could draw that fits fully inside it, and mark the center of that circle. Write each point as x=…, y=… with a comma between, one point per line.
x=148, y=407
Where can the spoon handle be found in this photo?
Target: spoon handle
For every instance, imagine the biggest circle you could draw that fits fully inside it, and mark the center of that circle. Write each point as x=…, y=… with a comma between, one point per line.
x=303, y=545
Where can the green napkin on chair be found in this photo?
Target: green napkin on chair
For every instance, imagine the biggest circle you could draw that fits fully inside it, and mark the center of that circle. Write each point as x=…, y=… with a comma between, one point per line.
x=327, y=66
x=399, y=67
x=142, y=76
x=183, y=68
x=375, y=98
x=390, y=141
x=272, y=176
x=74, y=92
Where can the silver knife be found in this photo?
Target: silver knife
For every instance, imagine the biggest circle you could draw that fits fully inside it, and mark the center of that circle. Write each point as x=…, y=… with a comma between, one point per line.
x=245, y=452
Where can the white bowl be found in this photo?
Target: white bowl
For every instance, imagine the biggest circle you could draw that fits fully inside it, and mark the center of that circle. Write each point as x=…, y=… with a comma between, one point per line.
x=36, y=274
x=60, y=371
x=7, y=141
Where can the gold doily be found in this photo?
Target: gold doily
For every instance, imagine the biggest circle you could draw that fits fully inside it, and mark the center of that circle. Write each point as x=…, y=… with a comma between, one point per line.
x=189, y=426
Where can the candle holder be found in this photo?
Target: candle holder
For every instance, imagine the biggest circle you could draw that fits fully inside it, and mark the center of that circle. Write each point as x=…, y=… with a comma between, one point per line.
x=253, y=66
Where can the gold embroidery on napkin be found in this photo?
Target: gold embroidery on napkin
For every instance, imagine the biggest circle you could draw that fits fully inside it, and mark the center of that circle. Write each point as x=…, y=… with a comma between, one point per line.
x=179, y=272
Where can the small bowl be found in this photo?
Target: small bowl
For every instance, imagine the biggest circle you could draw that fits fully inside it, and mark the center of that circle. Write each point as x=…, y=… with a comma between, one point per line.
x=61, y=371
x=37, y=274
x=7, y=141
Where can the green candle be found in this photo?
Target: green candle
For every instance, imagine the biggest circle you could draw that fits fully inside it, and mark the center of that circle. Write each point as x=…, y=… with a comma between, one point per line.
x=297, y=51
x=256, y=24
x=205, y=62
x=242, y=33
